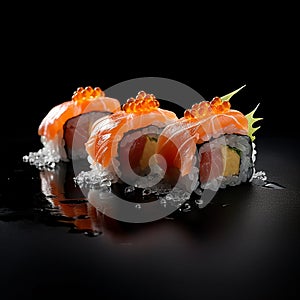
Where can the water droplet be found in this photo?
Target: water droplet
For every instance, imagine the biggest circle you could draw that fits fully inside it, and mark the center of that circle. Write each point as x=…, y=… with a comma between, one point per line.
x=163, y=202
x=146, y=192
x=198, y=191
x=138, y=206
x=92, y=233
x=129, y=189
x=199, y=201
x=273, y=185
x=186, y=207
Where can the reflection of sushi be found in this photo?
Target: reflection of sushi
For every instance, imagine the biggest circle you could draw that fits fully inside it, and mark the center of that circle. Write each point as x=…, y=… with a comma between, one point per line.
x=211, y=143
x=66, y=127
x=68, y=205
x=125, y=141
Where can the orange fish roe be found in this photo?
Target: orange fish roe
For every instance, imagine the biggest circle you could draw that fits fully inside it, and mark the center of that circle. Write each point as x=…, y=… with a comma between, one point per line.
x=219, y=106
x=206, y=108
x=143, y=102
x=86, y=93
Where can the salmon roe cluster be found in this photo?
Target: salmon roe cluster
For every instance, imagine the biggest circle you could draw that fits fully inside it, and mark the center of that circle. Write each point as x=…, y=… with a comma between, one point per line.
x=86, y=93
x=207, y=108
x=143, y=102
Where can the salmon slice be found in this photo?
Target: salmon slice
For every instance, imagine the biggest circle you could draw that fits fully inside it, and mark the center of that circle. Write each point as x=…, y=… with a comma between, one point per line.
x=219, y=161
x=211, y=165
x=137, y=113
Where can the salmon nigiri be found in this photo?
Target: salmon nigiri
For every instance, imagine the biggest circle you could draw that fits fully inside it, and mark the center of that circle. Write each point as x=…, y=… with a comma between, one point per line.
x=211, y=142
x=125, y=141
x=66, y=127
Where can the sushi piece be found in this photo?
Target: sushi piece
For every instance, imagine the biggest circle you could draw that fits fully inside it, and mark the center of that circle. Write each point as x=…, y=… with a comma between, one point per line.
x=211, y=145
x=65, y=129
x=122, y=145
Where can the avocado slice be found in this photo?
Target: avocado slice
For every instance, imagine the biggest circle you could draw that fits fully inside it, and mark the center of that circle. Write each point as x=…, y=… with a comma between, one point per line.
x=231, y=161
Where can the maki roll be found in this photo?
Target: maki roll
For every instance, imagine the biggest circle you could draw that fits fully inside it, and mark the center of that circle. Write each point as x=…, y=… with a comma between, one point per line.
x=123, y=145
x=65, y=129
x=211, y=144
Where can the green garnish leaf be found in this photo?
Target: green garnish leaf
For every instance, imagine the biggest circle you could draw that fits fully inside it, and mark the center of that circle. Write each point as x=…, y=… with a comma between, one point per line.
x=228, y=96
x=251, y=121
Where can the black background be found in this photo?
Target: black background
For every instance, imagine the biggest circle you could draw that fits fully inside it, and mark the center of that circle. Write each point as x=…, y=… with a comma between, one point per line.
x=247, y=250
x=31, y=96
x=46, y=71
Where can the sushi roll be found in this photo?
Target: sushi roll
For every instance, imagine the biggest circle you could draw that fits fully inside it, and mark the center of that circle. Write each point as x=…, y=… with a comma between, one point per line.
x=122, y=146
x=211, y=145
x=65, y=129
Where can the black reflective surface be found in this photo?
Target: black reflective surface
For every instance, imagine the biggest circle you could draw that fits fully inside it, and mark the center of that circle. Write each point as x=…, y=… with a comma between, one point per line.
x=243, y=245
